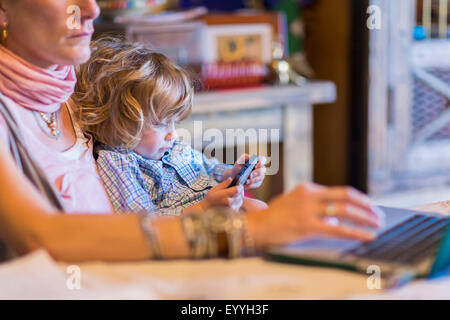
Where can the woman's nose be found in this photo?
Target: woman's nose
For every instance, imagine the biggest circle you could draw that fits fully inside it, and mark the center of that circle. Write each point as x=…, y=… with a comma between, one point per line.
x=89, y=9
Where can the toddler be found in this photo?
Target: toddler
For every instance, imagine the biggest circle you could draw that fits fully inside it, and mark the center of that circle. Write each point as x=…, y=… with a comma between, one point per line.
x=129, y=97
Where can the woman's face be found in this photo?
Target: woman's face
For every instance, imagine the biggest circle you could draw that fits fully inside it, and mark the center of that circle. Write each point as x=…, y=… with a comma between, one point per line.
x=50, y=32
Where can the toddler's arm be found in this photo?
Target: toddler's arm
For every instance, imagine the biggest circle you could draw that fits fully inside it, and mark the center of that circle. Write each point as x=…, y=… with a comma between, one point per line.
x=219, y=196
x=216, y=169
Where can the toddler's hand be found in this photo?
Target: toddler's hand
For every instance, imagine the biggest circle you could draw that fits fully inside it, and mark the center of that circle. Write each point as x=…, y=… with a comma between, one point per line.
x=221, y=195
x=256, y=178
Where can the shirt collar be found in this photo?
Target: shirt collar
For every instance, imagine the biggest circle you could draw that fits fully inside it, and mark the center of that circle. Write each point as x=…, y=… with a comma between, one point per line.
x=180, y=157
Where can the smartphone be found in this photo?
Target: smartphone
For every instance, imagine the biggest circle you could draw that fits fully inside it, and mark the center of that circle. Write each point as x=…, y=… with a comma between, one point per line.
x=243, y=175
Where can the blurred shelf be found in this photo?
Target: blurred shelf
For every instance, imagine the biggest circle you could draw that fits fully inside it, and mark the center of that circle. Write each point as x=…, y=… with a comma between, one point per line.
x=315, y=92
x=262, y=115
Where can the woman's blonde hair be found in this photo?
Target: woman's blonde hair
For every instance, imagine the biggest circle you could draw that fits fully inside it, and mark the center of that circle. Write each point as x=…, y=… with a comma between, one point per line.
x=124, y=87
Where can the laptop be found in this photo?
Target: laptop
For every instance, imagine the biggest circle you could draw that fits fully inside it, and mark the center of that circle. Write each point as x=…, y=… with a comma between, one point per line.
x=411, y=242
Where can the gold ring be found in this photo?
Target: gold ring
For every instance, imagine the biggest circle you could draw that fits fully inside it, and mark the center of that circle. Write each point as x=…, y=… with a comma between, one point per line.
x=331, y=210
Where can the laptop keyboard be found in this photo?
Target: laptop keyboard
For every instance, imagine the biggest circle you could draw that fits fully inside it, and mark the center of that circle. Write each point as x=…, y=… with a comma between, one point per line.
x=406, y=243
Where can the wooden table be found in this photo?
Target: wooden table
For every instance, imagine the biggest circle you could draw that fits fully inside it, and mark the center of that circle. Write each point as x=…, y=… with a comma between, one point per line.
x=284, y=112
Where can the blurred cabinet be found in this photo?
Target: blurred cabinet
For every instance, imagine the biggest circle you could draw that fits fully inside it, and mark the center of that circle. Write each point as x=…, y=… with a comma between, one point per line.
x=409, y=115
x=179, y=41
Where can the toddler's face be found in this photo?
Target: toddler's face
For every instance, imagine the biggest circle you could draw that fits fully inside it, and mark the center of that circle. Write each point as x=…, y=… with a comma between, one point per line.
x=156, y=140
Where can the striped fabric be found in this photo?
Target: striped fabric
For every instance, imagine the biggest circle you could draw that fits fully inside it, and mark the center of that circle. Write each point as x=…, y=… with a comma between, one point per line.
x=180, y=179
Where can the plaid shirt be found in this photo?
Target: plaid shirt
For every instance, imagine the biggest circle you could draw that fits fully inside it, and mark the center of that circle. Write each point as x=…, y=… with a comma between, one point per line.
x=180, y=179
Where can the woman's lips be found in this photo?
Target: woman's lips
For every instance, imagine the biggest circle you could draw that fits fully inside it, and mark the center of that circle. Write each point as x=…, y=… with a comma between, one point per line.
x=81, y=35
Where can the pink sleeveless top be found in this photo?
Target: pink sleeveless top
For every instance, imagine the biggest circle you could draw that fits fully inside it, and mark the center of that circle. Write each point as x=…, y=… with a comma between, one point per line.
x=73, y=172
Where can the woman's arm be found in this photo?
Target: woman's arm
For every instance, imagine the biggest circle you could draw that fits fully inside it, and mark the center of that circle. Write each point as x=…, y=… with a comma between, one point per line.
x=110, y=238
x=28, y=222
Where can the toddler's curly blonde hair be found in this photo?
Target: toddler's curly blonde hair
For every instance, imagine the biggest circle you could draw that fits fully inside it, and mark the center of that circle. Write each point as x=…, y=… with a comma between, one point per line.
x=125, y=87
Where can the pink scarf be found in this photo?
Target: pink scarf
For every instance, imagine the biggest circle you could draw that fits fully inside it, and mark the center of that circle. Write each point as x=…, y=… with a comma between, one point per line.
x=33, y=87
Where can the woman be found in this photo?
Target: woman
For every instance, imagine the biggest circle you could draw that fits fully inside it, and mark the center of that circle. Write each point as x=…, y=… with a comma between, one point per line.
x=39, y=46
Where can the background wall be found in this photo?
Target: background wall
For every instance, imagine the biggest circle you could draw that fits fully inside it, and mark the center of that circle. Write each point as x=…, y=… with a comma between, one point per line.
x=336, y=44
x=327, y=28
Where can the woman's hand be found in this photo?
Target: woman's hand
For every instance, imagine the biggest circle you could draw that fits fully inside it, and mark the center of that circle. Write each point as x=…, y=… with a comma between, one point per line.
x=221, y=195
x=256, y=178
x=304, y=212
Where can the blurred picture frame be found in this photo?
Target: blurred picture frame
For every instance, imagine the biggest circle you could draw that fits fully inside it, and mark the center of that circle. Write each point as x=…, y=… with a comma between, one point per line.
x=277, y=21
x=237, y=42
